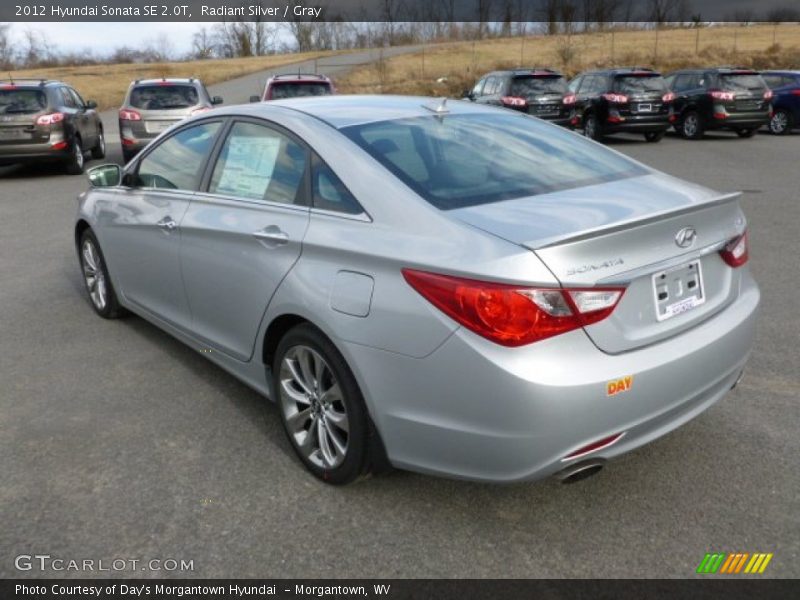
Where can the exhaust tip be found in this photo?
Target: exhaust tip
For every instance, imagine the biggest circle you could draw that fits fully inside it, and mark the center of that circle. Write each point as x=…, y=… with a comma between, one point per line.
x=580, y=471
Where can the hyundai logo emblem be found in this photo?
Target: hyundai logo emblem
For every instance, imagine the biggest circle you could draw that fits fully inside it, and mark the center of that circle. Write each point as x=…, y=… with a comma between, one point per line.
x=685, y=237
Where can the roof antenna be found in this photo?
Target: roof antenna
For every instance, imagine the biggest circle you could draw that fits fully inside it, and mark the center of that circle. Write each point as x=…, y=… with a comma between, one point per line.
x=11, y=77
x=439, y=109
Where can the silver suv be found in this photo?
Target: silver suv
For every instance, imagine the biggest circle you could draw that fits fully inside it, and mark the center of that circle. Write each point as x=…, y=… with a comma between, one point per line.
x=153, y=105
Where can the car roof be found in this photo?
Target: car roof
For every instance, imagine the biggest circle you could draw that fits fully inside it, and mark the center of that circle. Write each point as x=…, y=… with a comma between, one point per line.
x=166, y=80
x=780, y=72
x=625, y=71
x=542, y=71
x=345, y=110
x=31, y=82
x=295, y=77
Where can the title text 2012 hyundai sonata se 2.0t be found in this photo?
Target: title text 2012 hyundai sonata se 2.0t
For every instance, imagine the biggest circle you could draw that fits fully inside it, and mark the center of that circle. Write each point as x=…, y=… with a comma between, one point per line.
x=435, y=286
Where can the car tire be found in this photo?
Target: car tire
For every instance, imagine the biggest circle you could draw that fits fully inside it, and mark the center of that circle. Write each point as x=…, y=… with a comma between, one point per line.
x=99, y=150
x=77, y=159
x=654, y=136
x=321, y=407
x=781, y=122
x=691, y=126
x=592, y=128
x=101, y=292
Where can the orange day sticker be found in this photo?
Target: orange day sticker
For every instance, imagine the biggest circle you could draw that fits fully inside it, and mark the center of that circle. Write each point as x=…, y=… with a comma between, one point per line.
x=617, y=386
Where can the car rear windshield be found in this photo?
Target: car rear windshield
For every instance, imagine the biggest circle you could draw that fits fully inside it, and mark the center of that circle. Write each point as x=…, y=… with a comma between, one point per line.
x=633, y=84
x=741, y=82
x=21, y=100
x=290, y=89
x=530, y=85
x=465, y=160
x=164, y=97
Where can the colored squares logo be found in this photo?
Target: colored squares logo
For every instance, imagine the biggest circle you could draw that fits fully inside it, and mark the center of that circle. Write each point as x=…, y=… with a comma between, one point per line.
x=734, y=563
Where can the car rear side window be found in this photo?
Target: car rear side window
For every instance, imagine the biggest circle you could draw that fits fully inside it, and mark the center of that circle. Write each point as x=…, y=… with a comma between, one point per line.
x=531, y=85
x=637, y=84
x=288, y=89
x=176, y=162
x=465, y=160
x=259, y=163
x=163, y=97
x=328, y=191
x=20, y=100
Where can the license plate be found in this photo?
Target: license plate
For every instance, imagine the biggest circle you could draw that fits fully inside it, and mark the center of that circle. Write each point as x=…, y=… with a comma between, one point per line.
x=678, y=290
x=159, y=126
x=645, y=108
x=11, y=133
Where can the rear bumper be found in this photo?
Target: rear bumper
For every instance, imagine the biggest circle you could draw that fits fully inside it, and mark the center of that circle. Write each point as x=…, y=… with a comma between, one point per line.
x=32, y=153
x=637, y=124
x=133, y=140
x=563, y=121
x=750, y=120
x=476, y=410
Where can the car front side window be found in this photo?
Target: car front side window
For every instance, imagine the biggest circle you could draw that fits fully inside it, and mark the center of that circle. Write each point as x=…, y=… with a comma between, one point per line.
x=177, y=162
x=259, y=163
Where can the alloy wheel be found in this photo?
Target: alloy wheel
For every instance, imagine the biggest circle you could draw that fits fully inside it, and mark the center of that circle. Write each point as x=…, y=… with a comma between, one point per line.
x=78, y=153
x=589, y=128
x=313, y=407
x=779, y=122
x=690, y=125
x=93, y=275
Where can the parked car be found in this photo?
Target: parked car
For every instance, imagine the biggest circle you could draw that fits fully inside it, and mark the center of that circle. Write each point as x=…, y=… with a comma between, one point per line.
x=153, y=105
x=785, y=86
x=733, y=98
x=540, y=92
x=454, y=289
x=48, y=121
x=623, y=100
x=296, y=85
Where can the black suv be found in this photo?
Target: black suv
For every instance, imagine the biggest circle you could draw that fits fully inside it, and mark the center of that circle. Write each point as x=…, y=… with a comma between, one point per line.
x=719, y=98
x=624, y=100
x=47, y=121
x=541, y=93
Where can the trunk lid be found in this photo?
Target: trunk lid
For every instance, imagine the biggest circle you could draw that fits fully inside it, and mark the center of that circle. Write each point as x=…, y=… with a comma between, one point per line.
x=625, y=234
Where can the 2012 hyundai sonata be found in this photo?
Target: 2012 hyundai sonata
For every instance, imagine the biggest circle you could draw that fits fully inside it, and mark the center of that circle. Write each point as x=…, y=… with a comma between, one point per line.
x=438, y=286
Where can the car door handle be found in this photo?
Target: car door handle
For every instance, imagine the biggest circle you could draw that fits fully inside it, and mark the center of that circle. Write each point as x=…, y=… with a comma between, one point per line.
x=167, y=223
x=272, y=234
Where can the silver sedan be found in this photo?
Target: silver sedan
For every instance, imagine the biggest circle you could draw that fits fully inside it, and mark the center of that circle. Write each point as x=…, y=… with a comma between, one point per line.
x=435, y=286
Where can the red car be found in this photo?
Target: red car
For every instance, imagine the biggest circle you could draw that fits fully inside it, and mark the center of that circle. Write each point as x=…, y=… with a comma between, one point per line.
x=297, y=85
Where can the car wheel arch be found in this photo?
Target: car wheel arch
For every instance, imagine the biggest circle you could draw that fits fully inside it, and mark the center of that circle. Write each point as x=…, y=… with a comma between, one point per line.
x=81, y=226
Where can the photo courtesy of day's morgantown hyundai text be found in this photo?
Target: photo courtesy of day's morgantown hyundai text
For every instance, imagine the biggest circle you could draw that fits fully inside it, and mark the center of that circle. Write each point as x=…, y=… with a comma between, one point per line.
x=435, y=285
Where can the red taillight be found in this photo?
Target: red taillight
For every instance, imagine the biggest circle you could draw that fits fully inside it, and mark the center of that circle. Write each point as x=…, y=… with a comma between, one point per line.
x=668, y=97
x=128, y=142
x=202, y=109
x=570, y=99
x=720, y=115
x=616, y=98
x=513, y=101
x=62, y=145
x=720, y=95
x=736, y=252
x=796, y=92
x=126, y=114
x=768, y=95
x=50, y=119
x=8, y=87
x=594, y=446
x=511, y=315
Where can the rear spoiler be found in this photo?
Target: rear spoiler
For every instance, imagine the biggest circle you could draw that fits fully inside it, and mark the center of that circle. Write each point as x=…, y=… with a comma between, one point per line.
x=631, y=223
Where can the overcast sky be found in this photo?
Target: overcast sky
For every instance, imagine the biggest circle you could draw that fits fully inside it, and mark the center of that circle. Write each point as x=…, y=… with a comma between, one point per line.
x=102, y=38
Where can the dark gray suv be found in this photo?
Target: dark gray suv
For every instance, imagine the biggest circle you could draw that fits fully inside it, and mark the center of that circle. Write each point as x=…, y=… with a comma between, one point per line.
x=154, y=105
x=48, y=121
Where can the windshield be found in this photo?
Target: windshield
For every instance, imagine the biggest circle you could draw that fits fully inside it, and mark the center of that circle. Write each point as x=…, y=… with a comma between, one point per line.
x=637, y=84
x=465, y=160
x=531, y=85
x=163, y=97
x=17, y=101
x=297, y=90
x=741, y=83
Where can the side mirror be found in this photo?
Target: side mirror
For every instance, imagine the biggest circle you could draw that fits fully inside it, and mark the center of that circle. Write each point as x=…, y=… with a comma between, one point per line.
x=216, y=100
x=255, y=98
x=105, y=175
x=91, y=104
x=468, y=95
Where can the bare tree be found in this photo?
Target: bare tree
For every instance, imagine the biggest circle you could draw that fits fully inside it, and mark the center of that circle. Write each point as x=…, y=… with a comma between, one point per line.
x=202, y=44
x=665, y=11
x=6, y=47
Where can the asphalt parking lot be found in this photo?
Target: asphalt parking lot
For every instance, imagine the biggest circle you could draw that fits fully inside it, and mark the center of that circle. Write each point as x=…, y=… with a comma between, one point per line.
x=116, y=441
